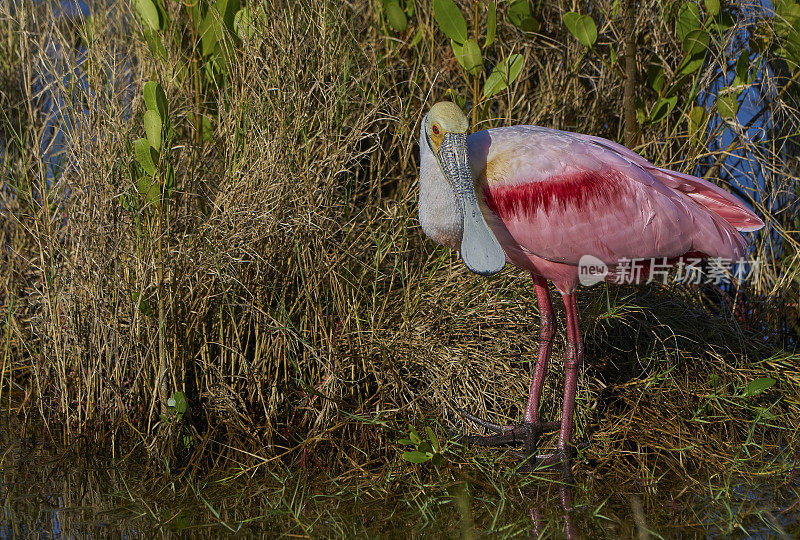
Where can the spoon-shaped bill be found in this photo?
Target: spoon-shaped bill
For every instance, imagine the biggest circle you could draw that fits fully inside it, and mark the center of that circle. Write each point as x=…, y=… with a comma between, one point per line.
x=480, y=250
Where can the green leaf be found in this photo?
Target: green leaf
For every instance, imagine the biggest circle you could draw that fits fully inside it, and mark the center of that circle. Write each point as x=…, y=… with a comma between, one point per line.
x=491, y=24
x=582, y=27
x=417, y=37
x=696, y=42
x=220, y=58
x=712, y=7
x=518, y=11
x=641, y=117
x=691, y=64
x=655, y=77
x=406, y=441
x=415, y=456
x=724, y=21
x=210, y=32
x=612, y=54
x=662, y=108
x=152, y=127
x=570, y=20
x=426, y=447
x=433, y=439
x=742, y=68
x=469, y=56
x=457, y=50
x=149, y=189
x=688, y=20
x=450, y=20
x=503, y=75
x=155, y=99
x=179, y=402
x=456, y=97
x=88, y=30
x=207, y=130
x=788, y=10
x=395, y=16
x=671, y=102
x=146, y=156
x=521, y=16
x=243, y=24
x=144, y=306
x=409, y=7
x=227, y=10
x=437, y=460
x=148, y=12
x=764, y=413
x=153, y=40
x=127, y=203
x=728, y=105
x=759, y=385
x=760, y=37
x=414, y=435
x=531, y=24
x=146, y=309
x=697, y=122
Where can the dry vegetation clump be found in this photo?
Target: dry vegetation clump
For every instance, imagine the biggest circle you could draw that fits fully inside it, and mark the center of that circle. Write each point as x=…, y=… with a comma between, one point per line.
x=303, y=311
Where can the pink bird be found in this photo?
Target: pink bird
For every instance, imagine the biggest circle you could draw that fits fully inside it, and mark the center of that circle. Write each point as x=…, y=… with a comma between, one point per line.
x=541, y=199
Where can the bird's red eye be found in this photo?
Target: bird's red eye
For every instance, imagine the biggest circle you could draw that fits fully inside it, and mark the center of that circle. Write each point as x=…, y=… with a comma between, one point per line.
x=435, y=129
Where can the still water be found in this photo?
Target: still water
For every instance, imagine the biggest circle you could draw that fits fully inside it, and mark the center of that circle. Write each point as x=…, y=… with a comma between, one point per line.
x=53, y=492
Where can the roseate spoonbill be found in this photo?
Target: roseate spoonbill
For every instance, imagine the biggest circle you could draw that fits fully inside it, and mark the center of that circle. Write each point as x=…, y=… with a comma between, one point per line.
x=541, y=199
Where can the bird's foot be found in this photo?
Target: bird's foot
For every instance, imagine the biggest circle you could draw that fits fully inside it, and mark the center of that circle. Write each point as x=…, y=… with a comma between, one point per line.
x=561, y=456
x=526, y=433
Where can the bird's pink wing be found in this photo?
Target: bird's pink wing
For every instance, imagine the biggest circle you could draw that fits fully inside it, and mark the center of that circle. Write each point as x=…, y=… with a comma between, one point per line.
x=702, y=191
x=560, y=197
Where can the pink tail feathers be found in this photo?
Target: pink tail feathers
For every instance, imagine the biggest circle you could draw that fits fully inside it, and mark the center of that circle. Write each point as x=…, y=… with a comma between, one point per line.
x=716, y=199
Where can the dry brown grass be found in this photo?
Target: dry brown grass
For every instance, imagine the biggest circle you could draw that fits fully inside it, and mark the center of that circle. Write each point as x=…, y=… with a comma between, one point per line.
x=305, y=312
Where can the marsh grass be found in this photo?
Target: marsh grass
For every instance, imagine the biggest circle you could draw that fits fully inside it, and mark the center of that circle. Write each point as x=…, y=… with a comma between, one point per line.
x=307, y=320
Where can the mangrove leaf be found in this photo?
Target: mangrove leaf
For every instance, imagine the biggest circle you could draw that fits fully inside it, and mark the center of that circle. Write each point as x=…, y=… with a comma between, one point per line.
x=582, y=27
x=450, y=20
x=502, y=75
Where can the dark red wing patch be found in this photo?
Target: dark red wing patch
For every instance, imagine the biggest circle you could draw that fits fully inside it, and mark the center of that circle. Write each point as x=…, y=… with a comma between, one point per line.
x=562, y=192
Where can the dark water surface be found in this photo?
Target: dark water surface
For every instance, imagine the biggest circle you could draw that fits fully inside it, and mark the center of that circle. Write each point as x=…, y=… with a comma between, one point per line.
x=54, y=492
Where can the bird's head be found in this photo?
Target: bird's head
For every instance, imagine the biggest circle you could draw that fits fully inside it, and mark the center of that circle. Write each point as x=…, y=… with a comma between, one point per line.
x=445, y=118
x=445, y=128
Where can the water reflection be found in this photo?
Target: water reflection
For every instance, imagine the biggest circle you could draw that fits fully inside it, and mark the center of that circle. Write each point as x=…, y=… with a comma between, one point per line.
x=48, y=493
x=624, y=508
x=565, y=486
x=570, y=530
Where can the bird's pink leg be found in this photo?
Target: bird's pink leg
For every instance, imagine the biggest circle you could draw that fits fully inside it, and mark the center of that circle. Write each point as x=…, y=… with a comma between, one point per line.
x=572, y=363
x=546, y=333
x=528, y=432
x=573, y=357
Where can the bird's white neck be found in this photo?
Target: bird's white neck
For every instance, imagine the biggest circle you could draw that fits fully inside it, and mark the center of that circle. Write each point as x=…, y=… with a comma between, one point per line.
x=439, y=209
